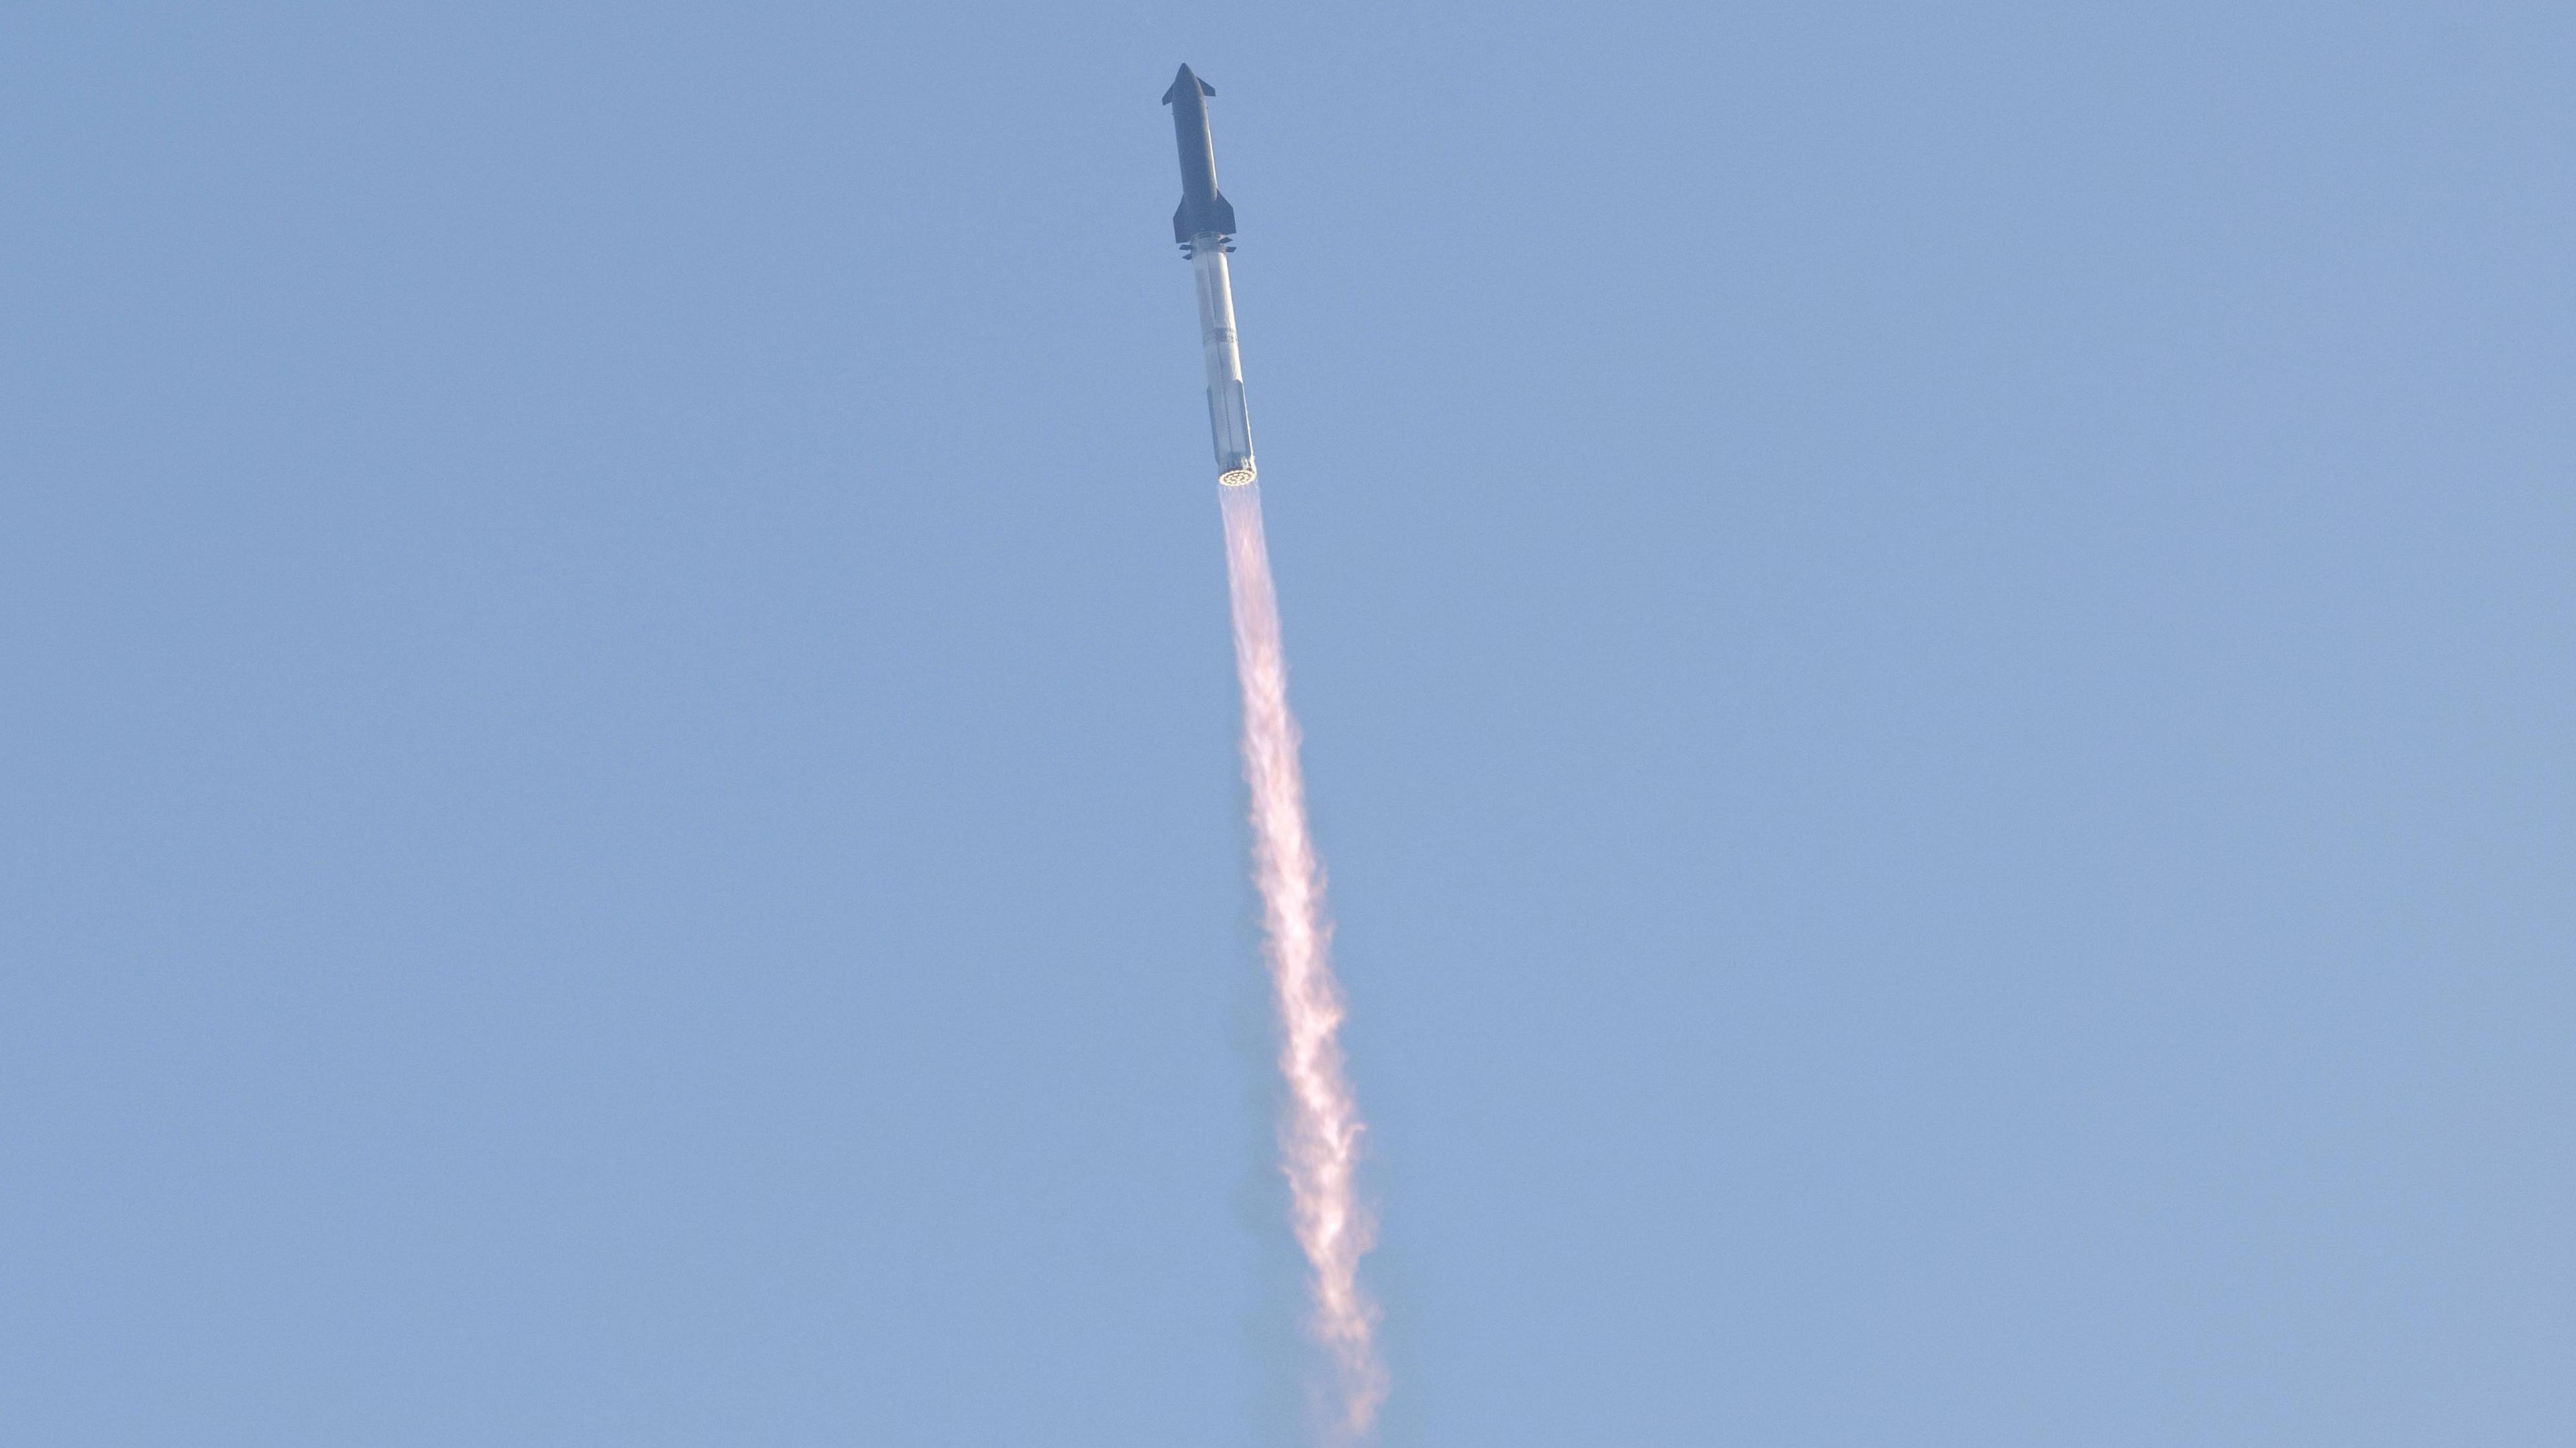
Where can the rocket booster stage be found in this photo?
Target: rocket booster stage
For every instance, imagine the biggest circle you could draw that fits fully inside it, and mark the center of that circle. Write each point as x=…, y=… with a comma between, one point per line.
x=1204, y=226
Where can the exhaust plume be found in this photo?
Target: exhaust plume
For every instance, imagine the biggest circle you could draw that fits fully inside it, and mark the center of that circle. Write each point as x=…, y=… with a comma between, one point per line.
x=1319, y=1130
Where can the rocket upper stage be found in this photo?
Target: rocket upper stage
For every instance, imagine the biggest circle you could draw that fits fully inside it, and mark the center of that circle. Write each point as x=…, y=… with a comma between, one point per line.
x=1204, y=209
x=1202, y=227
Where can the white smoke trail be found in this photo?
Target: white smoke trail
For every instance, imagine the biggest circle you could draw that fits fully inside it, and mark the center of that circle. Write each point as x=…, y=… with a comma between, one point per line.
x=1319, y=1135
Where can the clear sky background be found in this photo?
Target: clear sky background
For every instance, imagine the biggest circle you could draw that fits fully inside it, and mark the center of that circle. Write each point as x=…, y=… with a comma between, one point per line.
x=1938, y=644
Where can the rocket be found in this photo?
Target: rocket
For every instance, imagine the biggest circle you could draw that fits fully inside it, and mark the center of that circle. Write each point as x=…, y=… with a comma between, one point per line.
x=1204, y=226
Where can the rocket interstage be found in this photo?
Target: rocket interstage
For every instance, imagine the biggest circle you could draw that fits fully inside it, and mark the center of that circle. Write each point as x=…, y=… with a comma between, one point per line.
x=1204, y=227
x=1320, y=1131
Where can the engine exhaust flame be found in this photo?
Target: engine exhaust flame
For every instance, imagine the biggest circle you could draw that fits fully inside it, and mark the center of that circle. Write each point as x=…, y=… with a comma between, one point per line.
x=1319, y=1132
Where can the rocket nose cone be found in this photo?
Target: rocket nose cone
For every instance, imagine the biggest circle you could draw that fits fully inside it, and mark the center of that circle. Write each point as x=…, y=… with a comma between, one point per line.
x=1186, y=83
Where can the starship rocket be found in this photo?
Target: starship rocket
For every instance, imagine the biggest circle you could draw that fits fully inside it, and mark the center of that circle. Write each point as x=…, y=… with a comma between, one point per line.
x=1204, y=226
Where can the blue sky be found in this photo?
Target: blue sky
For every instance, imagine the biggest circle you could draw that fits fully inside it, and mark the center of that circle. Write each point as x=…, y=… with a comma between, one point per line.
x=1937, y=648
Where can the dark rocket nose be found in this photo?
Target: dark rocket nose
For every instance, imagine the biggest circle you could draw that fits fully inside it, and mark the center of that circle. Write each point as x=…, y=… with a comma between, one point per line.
x=1185, y=81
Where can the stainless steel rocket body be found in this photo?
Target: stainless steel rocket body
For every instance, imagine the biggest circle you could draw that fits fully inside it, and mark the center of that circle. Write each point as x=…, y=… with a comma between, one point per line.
x=1203, y=226
x=1229, y=420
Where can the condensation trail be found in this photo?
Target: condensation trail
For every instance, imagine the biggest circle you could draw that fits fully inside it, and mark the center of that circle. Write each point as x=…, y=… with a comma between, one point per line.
x=1319, y=1135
